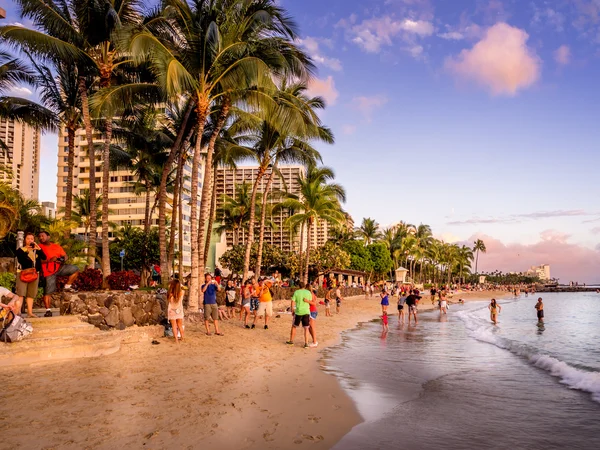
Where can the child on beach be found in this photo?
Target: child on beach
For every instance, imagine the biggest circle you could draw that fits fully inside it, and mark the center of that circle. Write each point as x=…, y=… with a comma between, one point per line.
x=230, y=294
x=494, y=310
x=384, y=322
x=175, y=309
x=401, y=302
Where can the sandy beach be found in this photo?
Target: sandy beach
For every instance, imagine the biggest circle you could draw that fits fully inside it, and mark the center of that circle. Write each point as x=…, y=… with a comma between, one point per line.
x=244, y=390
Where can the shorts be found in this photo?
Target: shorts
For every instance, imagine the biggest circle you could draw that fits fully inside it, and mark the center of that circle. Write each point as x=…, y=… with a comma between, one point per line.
x=229, y=304
x=246, y=303
x=211, y=310
x=27, y=290
x=305, y=319
x=385, y=303
x=265, y=308
x=400, y=307
x=253, y=304
x=412, y=309
x=338, y=303
x=540, y=314
x=66, y=270
x=314, y=314
x=443, y=304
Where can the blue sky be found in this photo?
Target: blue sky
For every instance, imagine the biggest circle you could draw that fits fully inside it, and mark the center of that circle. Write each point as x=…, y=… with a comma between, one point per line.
x=477, y=117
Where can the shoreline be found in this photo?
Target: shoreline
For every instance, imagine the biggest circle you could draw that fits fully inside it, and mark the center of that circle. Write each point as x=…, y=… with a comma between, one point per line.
x=244, y=390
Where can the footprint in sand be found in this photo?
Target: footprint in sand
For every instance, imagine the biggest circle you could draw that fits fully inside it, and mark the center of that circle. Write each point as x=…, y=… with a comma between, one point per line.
x=313, y=419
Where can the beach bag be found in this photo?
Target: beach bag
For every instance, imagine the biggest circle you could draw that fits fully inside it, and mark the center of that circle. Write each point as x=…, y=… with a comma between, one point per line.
x=28, y=275
x=16, y=330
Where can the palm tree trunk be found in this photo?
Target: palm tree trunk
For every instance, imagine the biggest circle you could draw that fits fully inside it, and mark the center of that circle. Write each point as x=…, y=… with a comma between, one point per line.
x=301, y=252
x=162, y=194
x=105, y=180
x=87, y=121
x=174, y=213
x=71, y=165
x=250, y=236
x=477, y=261
x=211, y=217
x=206, y=186
x=147, y=209
x=263, y=217
x=308, y=245
x=195, y=234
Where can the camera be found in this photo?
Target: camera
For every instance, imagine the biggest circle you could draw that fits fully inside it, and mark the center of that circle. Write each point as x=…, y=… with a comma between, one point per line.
x=60, y=259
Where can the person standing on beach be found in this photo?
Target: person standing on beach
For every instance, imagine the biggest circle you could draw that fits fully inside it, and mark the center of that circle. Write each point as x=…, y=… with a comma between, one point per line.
x=494, y=311
x=230, y=294
x=254, y=300
x=313, y=319
x=401, y=302
x=385, y=301
x=338, y=300
x=443, y=303
x=265, y=301
x=539, y=306
x=411, y=301
x=385, y=322
x=328, y=300
x=301, y=306
x=247, y=290
x=175, y=309
x=433, y=292
x=211, y=309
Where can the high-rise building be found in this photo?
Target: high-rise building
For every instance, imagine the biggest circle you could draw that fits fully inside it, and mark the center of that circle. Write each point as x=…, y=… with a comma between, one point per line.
x=229, y=182
x=49, y=210
x=127, y=205
x=20, y=160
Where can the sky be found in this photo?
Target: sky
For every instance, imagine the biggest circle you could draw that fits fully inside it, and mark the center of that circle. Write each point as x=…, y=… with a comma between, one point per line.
x=477, y=117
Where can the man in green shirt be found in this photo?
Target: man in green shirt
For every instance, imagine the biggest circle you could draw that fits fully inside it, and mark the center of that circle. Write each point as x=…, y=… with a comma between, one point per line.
x=300, y=305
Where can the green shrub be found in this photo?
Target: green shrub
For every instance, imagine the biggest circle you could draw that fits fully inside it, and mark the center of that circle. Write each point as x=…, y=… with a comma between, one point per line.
x=8, y=280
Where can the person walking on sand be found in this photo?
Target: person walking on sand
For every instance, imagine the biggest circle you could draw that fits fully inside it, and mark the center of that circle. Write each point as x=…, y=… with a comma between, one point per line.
x=211, y=309
x=175, y=309
x=443, y=303
x=385, y=301
x=301, y=306
x=539, y=306
x=265, y=301
x=328, y=300
x=401, y=302
x=495, y=309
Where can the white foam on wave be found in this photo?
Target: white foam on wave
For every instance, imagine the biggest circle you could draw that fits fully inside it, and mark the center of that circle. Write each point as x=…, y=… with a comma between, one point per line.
x=568, y=375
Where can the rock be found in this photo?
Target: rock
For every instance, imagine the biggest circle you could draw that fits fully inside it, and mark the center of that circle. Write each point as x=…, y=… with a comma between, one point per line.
x=104, y=311
x=112, y=318
x=80, y=307
x=156, y=312
x=104, y=327
x=138, y=313
x=109, y=301
x=126, y=317
x=96, y=319
x=121, y=326
x=92, y=309
x=148, y=306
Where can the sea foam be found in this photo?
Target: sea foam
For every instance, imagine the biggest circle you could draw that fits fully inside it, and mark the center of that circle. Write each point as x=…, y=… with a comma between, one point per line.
x=568, y=375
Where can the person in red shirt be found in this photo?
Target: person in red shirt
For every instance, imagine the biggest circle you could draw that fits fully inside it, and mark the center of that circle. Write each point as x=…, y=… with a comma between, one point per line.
x=53, y=267
x=313, y=318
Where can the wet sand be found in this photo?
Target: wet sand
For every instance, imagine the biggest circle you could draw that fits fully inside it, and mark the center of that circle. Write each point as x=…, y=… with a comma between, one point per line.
x=244, y=390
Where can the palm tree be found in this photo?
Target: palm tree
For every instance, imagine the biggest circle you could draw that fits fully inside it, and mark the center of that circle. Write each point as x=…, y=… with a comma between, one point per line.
x=59, y=91
x=9, y=212
x=81, y=211
x=479, y=246
x=318, y=200
x=234, y=213
x=369, y=231
x=465, y=257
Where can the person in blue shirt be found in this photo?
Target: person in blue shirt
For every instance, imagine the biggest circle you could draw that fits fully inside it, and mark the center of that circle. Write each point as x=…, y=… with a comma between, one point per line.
x=211, y=309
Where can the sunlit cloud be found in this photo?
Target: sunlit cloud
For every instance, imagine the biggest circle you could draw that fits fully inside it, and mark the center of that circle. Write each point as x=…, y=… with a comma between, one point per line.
x=324, y=88
x=367, y=105
x=563, y=55
x=500, y=62
x=513, y=218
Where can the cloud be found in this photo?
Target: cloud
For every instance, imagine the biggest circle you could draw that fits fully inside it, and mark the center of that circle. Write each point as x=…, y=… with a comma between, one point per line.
x=20, y=91
x=348, y=129
x=519, y=217
x=324, y=88
x=452, y=36
x=367, y=105
x=595, y=230
x=569, y=262
x=562, y=55
x=312, y=46
x=500, y=61
x=373, y=34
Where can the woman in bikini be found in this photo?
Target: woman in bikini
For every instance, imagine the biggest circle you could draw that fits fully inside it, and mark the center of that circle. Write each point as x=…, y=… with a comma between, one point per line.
x=494, y=310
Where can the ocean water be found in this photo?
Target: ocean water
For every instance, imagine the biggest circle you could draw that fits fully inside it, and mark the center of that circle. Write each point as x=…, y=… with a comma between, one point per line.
x=459, y=382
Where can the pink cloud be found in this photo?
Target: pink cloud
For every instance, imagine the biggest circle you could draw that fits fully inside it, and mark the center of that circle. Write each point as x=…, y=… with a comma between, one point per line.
x=569, y=262
x=367, y=105
x=348, y=129
x=563, y=55
x=596, y=230
x=324, y=88
x=500, y=61
x=312, y=46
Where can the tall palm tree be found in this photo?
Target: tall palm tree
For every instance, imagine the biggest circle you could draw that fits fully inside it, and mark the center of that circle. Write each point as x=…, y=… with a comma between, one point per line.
x=318, y=200
x=234, y=213
x=479, y=246
x=59, y=91
x=9, y=212
x=369, y=231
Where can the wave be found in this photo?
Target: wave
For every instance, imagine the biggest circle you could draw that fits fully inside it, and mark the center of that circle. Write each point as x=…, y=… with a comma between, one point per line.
x=568, y=375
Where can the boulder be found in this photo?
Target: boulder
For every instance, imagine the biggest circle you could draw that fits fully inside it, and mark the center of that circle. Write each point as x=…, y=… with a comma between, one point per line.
x=148, y=306
x=96, y=319
x=156, y=312
x=126, y=317
x=104, y=311
x=112, y=318
x=110, y=300
x=138, y=313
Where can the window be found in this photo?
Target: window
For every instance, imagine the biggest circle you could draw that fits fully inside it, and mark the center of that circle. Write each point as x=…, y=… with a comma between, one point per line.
x=66, y=159
x=65, y=169
x=114, y=179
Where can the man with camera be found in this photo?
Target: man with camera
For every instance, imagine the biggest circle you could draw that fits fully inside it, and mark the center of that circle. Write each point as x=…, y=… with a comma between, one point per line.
x=53, y=267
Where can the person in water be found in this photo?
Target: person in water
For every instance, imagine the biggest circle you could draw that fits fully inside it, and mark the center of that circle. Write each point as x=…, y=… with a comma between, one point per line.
x=540, y=310
x=495, y=309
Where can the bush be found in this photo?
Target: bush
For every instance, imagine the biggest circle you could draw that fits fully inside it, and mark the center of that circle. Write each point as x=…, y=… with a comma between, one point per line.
x=121, y=281
x=8, y=280
x=88, y=280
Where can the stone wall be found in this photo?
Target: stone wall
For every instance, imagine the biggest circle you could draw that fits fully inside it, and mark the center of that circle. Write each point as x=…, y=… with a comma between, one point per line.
x=115, y=309
x=7, y=265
